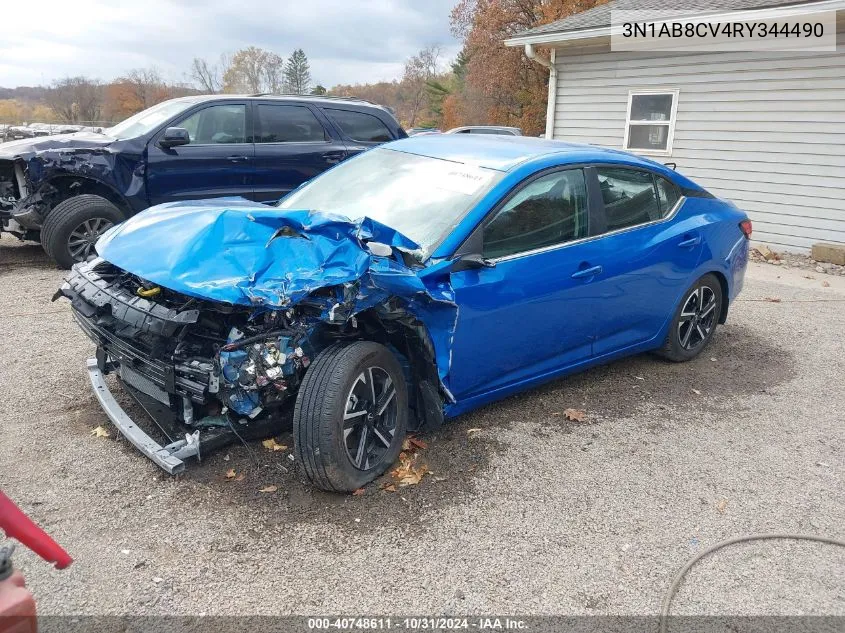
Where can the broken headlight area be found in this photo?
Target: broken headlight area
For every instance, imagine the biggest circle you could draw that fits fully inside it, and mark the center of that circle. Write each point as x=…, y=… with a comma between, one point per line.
x=193, y=365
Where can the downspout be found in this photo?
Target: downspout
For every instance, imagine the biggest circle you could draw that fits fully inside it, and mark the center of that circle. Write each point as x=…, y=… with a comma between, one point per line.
x=531, y=54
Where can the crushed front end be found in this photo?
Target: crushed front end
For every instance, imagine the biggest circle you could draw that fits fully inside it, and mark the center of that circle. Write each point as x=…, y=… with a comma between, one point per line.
x=210, y=313
x=205, y=372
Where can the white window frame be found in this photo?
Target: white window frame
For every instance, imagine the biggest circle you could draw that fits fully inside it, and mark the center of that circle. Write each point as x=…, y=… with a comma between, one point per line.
x=670, y=123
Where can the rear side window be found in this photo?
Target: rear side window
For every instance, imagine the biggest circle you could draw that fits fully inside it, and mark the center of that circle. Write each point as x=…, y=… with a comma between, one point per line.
x=360, y=126
x=629, y=196
x=216, y=124
x=287, y=124
x=549, y=210
x=667, y=195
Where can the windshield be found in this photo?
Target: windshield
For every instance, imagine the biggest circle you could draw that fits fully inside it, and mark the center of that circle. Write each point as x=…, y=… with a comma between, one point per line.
x=423, y=198
x=147, y=120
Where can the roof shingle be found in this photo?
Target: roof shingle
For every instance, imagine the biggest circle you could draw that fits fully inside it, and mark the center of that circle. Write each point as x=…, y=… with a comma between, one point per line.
x=598, y=17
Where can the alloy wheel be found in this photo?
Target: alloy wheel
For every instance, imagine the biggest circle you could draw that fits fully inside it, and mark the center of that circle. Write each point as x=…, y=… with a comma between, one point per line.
x=369, y=419
x=697, y=318
x=81, y=241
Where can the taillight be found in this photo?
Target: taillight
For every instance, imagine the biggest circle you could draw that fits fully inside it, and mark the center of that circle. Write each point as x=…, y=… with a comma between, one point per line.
x=745, y=227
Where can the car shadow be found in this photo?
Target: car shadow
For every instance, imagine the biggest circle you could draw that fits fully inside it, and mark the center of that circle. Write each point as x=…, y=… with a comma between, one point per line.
x=745, y=363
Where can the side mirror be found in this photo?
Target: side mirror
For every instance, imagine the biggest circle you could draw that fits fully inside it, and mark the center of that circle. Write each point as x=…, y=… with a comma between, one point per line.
x=174, y=136
x=472, y=261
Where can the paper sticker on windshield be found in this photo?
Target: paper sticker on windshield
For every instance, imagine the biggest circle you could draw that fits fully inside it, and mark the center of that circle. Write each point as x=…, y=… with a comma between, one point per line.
x=466, y=180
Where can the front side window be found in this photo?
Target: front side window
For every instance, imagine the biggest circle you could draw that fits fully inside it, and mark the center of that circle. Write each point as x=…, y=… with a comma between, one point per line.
x=217, y=124
x=360, y=126
x=629, y=197
x=549, y=210
x=650, y=124
x=287, y=124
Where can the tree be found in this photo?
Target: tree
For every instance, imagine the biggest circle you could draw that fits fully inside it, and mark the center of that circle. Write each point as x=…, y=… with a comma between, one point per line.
x=76, y=99
x=419, y=69
x=247, y=71
x=274, y=74
x=502, y=83
x=318, y=90
x=298, y=73
x=208, y=76
x=146, y=86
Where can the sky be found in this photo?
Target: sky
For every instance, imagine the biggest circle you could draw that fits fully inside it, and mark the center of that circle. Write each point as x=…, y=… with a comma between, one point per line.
x=346, y=41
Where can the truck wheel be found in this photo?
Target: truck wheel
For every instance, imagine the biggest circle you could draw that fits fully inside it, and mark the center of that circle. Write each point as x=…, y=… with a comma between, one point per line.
x=74, y=226
x=351, y=415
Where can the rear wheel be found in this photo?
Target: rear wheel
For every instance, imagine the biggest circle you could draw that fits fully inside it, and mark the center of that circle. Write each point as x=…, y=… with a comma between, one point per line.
x=695, y=320
x=73, y=227
x=351, y=415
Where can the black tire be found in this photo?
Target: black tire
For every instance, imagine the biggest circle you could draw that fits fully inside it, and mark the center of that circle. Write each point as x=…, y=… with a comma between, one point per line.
x=69, y=218
x=323, y=404
x=695, y=320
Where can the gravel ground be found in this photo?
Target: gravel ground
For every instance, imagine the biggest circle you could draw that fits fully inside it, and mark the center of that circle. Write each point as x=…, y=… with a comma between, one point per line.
x=526, y=513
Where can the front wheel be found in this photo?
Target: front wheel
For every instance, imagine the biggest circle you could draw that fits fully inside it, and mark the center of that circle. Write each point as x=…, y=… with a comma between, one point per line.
x=73, y=227
x=351, y=415
x=695, y=320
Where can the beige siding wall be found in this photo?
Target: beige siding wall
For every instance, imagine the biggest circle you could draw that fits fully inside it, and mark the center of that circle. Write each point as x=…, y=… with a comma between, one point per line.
x=766, y=130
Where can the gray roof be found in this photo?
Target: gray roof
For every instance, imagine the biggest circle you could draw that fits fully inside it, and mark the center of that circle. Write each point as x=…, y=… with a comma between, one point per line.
x=598, y=17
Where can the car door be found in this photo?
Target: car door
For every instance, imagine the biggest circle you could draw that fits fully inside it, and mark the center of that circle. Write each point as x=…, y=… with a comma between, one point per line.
x=526, y=315
x=644, y=256
x=292, y=145
x=217, y=162
x=360, y=130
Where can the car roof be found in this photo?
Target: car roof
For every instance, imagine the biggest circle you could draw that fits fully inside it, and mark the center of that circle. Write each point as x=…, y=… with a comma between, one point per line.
x=321, y=99
x=505, y=153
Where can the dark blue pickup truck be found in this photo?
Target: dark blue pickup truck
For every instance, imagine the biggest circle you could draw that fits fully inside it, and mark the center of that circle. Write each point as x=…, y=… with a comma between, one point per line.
x=67, y=190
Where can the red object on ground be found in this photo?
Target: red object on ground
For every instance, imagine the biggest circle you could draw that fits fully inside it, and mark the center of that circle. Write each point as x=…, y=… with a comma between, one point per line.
x=20, y=527
x=17, y=607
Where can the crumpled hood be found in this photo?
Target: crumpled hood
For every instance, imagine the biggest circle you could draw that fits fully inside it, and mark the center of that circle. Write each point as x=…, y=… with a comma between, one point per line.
x=77, y=140
x=242, y=252
x=237, y=251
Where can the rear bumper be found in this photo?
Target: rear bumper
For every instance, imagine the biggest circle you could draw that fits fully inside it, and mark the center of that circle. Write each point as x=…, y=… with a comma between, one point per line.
x=171, y=457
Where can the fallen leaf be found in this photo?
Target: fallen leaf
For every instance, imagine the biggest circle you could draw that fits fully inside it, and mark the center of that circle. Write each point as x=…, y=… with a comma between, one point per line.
x=575, y=415
x=358, y=492
x=722, y=505
x=772, y=299
x=100, y=431
x=272, y=445
x=471, y=431
x=389, y=488
x=230, y=474
x=696, y=392
x=418, y=443
x=826, y=284
x=268, y=489
x=407, y=473
x=240, y=477
x=226, y=458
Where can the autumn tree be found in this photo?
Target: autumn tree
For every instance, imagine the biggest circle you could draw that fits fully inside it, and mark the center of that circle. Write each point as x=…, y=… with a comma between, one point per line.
x=318, y=90
x=509, y=88
x=146, y=87
x=298, y=73
x=247, y=71
x=75, y=99
x=274, y=74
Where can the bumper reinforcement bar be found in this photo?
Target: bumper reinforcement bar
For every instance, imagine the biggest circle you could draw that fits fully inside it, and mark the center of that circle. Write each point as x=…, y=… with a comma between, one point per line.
x=171, y=458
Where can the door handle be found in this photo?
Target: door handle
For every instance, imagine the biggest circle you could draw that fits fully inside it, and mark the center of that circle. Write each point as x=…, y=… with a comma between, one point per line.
x=689, y=242
x=587, y=272
x=333, y=157
x=238, y=159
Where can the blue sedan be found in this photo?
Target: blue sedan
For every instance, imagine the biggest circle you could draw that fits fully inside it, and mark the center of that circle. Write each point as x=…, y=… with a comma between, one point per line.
x=408, y=285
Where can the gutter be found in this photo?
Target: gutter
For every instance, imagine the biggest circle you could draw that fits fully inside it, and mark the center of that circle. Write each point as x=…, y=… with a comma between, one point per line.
x=531, y=54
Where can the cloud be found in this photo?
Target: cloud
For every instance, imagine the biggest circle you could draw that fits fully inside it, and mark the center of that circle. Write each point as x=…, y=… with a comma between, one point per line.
x=347, y=41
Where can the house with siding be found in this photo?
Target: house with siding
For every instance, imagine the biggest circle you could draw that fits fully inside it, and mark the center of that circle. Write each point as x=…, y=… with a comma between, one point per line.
x=765, y=129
